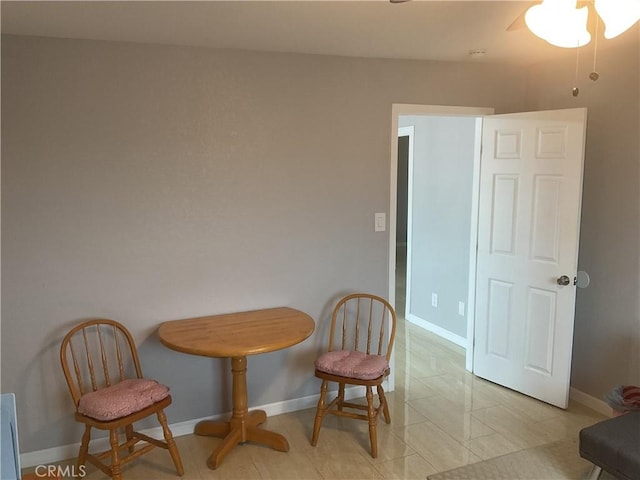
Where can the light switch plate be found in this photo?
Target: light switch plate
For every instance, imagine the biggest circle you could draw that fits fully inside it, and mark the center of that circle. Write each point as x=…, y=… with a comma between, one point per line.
x=380, y=222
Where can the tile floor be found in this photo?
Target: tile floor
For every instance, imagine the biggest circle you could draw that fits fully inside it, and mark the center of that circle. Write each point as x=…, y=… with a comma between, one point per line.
x=442, y=417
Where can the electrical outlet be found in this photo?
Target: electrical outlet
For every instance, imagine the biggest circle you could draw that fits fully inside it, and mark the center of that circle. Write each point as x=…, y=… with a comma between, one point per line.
x=434, y=300
x=461, y=308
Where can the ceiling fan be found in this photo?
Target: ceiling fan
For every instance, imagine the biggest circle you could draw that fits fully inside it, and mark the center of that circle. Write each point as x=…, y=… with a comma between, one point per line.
x=568, y=23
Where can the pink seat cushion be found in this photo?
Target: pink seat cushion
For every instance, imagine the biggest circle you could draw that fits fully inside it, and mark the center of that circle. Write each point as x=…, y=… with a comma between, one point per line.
x=122, y=399
x=352, y=364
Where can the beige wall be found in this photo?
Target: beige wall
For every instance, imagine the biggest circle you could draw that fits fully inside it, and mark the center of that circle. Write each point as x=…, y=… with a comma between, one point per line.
x=149, y=183
x=444, y=152
x=606, y=349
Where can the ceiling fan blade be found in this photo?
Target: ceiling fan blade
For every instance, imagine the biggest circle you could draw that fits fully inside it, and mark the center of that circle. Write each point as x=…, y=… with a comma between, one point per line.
x=518, y=23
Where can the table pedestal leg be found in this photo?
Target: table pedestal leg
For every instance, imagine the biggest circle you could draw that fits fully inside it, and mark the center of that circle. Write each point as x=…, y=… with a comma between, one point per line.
x=243, y=425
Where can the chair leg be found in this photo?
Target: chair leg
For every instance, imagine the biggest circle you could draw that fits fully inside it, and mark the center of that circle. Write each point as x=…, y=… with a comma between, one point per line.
x=320, y=412
x=116, y=474
x=340, y=396
x=372, y=414
x=84, y=447
x=385, y=405
x=128, y=430
x=171, y=444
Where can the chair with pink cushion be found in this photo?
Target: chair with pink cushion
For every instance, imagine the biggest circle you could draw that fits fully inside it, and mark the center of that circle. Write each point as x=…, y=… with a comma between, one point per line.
x=102, y=369
x=360, y=341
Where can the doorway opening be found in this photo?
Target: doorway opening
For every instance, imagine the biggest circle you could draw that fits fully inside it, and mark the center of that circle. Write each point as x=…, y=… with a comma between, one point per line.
x=422, y=134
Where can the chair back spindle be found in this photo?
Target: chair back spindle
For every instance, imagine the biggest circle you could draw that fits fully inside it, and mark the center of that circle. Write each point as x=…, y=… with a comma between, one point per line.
x=89, y=357
x=103, y=357
x=98, y=354
x=119, y=354
x=359, y=313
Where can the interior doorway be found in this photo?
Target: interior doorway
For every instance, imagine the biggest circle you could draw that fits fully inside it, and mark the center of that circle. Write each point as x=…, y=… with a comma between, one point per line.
x=527, y=201
x=405, y=303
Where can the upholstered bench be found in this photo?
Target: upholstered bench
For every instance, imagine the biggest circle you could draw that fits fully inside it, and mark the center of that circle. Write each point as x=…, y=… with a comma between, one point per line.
x=613, y=445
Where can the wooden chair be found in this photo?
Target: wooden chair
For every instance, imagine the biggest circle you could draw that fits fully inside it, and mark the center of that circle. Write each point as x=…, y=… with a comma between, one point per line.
x=360, y=341
x=102, y=369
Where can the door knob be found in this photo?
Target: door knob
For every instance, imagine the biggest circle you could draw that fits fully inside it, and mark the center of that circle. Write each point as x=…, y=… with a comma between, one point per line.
x=564, y=280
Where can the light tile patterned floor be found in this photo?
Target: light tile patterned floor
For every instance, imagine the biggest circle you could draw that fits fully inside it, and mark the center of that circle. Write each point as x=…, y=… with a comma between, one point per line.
x=442, y=418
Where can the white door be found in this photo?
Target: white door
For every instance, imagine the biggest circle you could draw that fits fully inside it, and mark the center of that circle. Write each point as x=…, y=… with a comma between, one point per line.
x=529, y=219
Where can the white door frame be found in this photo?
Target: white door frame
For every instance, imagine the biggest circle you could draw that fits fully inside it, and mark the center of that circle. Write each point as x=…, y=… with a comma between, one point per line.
x=397, y=110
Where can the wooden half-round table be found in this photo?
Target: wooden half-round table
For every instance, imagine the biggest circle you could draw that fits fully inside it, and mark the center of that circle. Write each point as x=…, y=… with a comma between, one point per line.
x=235, y=336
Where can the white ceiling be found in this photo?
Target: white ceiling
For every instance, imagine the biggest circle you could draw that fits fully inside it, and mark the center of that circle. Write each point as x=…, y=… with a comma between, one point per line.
x=433, y=30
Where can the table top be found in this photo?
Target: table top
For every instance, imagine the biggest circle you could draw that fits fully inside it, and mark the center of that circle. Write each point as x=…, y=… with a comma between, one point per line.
x=237, y=334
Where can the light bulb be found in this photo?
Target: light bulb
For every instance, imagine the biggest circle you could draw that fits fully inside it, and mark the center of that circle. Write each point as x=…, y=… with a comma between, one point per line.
x=559, y=22
x=617, y=15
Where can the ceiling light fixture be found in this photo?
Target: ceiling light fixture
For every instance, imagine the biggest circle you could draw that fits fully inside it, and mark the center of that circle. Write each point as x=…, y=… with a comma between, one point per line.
x=563, y=24
x=618, y=15
x=559, y=22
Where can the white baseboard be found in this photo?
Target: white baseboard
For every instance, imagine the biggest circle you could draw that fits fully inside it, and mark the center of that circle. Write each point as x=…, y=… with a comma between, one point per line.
x=63, y=452
x=593, y=403
x=441, y=332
